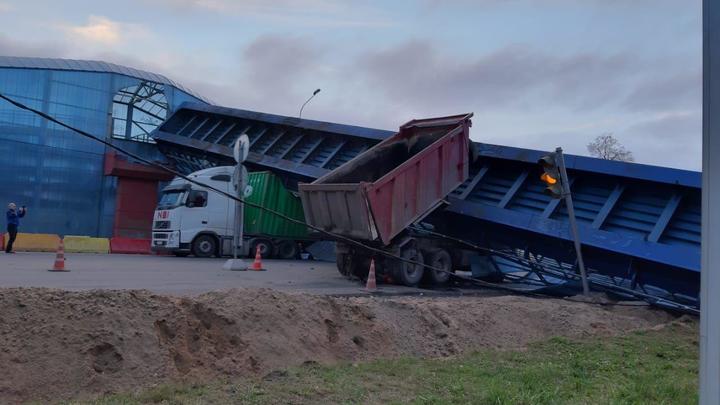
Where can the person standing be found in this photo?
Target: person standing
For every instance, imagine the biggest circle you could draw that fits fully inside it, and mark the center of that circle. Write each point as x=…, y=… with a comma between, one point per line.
x=13, y=222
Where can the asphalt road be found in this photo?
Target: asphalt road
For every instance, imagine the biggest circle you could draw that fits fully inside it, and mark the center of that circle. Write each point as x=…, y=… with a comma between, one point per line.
x=179, y=276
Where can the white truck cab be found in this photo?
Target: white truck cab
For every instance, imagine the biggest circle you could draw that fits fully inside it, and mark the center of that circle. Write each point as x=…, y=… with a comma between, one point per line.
x=193, y=219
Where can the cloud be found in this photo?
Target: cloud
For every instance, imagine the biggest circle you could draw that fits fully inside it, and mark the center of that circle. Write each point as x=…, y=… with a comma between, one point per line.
x=6, y=7
x=668, y=139
x=325, y=13
x=279, y=62
x=670, y=92
x=104, y=31
x=418, y=73
x=263, y=6
x=98, y=29
x=273, y=74
x=12, y=47
x=548, y=3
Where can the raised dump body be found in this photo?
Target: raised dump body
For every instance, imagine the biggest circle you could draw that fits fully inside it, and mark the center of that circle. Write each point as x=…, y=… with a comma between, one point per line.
x=379, y=193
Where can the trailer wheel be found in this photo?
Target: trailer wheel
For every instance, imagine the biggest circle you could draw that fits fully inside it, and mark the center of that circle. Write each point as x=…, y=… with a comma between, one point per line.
x=352, y=266
x=441, y=259
x=343, y=264
x=410, y=274
x=204, y=246
x=266, y=248
x=288, y=250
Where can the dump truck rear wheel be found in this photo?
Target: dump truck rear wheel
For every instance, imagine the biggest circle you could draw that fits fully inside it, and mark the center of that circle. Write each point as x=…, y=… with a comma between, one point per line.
x=353, y=266
x=440, y=259
x=343, y=264
x=410, y=274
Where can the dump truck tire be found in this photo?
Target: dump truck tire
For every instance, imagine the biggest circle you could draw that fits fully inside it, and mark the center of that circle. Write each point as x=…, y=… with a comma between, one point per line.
x=343, y=264
x=410, y=274
x=441, y=259
x=352, y=266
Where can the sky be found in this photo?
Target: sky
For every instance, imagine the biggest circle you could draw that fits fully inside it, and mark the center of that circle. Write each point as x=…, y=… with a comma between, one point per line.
x=536, y=73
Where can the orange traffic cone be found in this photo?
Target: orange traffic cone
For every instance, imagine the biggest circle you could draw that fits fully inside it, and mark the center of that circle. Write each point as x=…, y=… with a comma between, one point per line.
x=257, y=264
x=60, y=258
x=371, y=283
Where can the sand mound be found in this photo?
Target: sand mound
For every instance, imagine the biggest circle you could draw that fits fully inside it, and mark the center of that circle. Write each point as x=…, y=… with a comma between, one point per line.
x=59, y=344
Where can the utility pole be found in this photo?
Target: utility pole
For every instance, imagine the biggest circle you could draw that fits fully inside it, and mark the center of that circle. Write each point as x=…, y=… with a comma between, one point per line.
x=710, y=270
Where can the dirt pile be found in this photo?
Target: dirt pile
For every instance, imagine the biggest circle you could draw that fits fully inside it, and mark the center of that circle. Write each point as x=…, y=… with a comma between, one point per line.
x=59, y=344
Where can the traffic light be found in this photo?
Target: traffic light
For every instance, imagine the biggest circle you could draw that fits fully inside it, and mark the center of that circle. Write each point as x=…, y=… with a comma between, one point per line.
x=551, y=175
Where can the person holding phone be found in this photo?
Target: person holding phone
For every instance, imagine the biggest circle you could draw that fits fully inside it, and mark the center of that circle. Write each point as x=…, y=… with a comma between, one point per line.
x=13, y=216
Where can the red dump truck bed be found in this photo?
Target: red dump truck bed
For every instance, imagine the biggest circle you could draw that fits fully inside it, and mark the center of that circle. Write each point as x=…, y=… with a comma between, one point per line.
x=376, y=195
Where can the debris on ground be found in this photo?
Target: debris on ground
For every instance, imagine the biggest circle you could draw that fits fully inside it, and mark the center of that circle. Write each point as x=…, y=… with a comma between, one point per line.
x=60, y=344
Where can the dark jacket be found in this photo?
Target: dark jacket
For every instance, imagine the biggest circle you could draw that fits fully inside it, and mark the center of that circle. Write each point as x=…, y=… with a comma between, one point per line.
x=13, y=218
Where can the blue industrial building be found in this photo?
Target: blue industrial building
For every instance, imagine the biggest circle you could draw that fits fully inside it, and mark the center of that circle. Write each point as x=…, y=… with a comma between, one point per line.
x=70, y=184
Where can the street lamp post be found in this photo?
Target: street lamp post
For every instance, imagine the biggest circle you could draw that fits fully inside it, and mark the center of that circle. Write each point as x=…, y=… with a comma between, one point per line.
x=307, y=101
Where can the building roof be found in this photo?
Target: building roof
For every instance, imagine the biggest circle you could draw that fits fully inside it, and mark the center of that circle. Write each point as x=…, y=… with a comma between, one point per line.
x=90, y=66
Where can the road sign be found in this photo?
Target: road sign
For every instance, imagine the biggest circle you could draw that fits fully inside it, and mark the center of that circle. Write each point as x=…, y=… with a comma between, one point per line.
x=241, y=148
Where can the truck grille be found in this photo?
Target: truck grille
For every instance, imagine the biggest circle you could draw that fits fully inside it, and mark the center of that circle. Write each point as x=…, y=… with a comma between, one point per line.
x=160, y=235
x=161, y=225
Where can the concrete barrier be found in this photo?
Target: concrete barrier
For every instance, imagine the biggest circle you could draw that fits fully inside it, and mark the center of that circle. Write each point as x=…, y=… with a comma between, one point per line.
x=129, y=245
x=86, y=244
x=35, y=242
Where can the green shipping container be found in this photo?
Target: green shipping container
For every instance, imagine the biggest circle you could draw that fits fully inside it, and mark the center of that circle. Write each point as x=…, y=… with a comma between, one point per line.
x=269, y=192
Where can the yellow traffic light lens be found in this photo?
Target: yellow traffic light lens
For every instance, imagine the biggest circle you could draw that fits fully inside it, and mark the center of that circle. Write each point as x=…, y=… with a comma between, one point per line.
x=548, y=179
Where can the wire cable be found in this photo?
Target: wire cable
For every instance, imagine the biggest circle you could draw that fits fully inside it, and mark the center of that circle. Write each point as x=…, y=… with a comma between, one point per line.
x=332, y=235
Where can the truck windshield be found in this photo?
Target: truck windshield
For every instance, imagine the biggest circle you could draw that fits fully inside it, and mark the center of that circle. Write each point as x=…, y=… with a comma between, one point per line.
x=171, y=199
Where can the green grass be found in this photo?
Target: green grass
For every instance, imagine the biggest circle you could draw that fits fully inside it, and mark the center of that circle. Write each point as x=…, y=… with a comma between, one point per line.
x=655, y=367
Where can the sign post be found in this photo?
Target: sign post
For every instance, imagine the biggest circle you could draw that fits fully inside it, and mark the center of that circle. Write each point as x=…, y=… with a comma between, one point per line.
x=240, y=152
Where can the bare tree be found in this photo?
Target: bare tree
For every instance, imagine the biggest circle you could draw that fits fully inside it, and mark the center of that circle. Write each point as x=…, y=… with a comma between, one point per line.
x=605, y=146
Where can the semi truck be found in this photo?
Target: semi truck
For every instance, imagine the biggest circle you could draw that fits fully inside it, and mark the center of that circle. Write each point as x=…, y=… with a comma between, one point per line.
x=190, y=219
